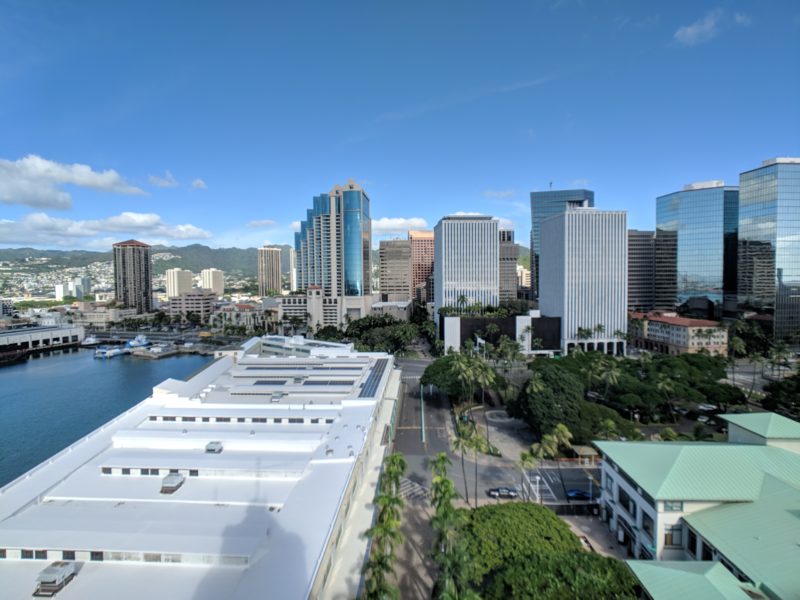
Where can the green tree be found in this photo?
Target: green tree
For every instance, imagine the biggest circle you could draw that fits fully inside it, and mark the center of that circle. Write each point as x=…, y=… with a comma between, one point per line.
x=736, y=348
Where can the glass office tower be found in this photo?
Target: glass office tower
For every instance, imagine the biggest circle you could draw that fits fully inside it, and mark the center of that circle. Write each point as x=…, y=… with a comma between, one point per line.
x=696, y=249
x=769, y=245
x=544, y=205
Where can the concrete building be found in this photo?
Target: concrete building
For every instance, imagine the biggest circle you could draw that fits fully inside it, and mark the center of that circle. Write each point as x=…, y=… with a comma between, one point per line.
x=179, y=281
x=523, y=277
x=6, y=307
x=400, y=310
x=275, y=449
x=292, y=269
x=641, y=270
x=198, y=302
x=133, y=284
x=422, y=252
x=252, y=316
x=395, y=270
x=214, y=280
x=314, y=309
x=546, y=204
x=509, y=254
x=669, y=333
x=466, y=259
x=584, y=277
x=101, y=318
x=710, y=504
x=19, y=342
x=61, y=290
x=269, y=271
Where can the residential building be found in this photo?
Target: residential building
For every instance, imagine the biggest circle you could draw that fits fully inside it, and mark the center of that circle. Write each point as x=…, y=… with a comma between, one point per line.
x=198, y=302
x=641, y=270
x=509, y=254
x=6, y=307
x=269, y=271
x=696, y=250
x=769, y=245
x=668, y=333
x=395, y=270
x=421, y=264
x=179, y=281
x=523, y=277
x=466, y=259
x=256, y=475
x=546, y=204
x=730, y=503
x=334, y=244
x=292, y=269
x=584, y=277
x=214, y=280
x=133, y=283
x=61, y=290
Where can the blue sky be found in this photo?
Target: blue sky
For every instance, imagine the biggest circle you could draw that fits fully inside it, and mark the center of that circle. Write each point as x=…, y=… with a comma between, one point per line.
x=184, y=122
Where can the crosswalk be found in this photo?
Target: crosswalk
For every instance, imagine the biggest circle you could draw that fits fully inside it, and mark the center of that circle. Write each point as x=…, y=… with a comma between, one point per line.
x=411, y=490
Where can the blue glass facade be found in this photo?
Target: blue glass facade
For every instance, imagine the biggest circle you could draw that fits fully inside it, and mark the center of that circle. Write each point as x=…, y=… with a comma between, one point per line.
x=355, y=242
x=544, y=205
x=769, y=245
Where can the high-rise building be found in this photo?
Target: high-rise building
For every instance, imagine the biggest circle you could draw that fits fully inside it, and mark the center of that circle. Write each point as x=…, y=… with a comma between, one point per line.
x=641, y=270
x=509, y=254
x=584, y=277
x=769, y=245
x=395, y=270
x=61, y=290
x=179, y=281
x=421, y=264
x=292, y=269
x=214, y=280
x=133, y=284
x=334, y=243
x=523, y=277
x=696, y=249
x=466, y=258
x=269, y=271
x=543, y=205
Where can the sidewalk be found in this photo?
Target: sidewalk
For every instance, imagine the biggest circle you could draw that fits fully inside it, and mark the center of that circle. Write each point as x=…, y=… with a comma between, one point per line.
x=596, y=532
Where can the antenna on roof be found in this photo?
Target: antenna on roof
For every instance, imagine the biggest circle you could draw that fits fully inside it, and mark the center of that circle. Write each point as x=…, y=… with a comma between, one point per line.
x=551, y=185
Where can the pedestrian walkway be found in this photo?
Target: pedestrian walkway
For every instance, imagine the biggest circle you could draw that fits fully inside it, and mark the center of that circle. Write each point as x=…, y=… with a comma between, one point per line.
x=411, y=490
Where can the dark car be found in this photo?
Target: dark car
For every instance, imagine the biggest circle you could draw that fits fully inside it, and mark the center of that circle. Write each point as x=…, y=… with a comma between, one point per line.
x=502, y=492
x=578, y=495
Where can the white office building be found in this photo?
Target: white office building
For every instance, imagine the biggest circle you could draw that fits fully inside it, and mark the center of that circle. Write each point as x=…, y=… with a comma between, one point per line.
x=179, y=281
x=214, y=280
x=584, y=277
x=269, y=271
x=253, y=479
x=466, y=261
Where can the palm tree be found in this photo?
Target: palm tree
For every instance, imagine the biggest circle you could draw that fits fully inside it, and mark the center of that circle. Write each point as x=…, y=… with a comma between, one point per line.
x=610, y=376
x=461, y=444
x=665, y=386
x=462, y=302
x=607, y=430
x=668, y=434
x=736, y=347
x=527, y=462
x=484, y=377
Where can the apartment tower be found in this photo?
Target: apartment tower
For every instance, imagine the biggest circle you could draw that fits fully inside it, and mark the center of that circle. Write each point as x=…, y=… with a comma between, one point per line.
x=133, y=283
x=214, y=280
x=269, y=271
x=509, y=253
x=421, y=264
x=179, y=281
x=395, y=270
x=641, y=270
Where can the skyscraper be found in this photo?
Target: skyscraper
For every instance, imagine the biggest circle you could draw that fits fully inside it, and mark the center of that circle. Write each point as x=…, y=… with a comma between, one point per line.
x=584, y=277
x=641, y=270
x=466, y=258
x=214, y=280
x=179, y=281
x=696, y=249
x=508, y=253
x=132, y=275
x=395, y=270
x=269, y=271
x=334, y=243
x=769, y=245
x=543, y=205
x=421, y=264
x=292, y=269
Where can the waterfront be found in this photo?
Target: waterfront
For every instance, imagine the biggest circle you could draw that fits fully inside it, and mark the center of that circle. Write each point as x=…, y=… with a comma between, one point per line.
x=48, y=402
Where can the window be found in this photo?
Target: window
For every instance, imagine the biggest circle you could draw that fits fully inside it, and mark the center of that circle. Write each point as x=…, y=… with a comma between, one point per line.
x=153, y=418
x=691, y=543
x=144, y=471
x=188, y=419
x=626, y=502
x=647, y=524
x=106, y=470
x=154, y=472
x=673, y=536
x=277, y=420
x=193, y=473
x=205, y=419
x=708, y=552
x=314, y=421
x=126, y=471
x=223, y=419
x=240, y=420
x=40, y=554
x=329, y=421
x=259, y=420
x=152, y=557
x=26, y=554
x=68, y=555
x=673, y=505
x=296, y=420
x=168, y=419
x=96, y=556
x=173, y=470
x=2, y=552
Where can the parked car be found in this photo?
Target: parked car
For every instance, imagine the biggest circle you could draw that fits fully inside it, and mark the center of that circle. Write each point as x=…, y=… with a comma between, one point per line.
x=52, y=579
x=578, y=495
x=702, y=419
x=502, y=492
x=213, y=447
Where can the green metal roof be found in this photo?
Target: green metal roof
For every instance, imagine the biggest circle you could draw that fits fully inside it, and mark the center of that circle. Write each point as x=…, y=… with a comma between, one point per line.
x=702, y=471
x=767, y=425
x=762, y=538
x=685, y=580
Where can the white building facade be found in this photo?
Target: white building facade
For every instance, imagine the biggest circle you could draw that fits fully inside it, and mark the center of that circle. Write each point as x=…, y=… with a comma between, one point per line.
x=584, y=277
x=179, y=281
x=214, y=280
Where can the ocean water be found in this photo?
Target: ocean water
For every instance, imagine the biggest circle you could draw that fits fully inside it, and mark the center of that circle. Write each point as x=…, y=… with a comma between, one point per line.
x=47, y=403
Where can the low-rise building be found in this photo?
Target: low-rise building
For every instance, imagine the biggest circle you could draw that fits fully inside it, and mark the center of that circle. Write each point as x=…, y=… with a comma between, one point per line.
x=199, y=302
x=253, y=316
x=101, y=318
x=398, y=310
x=314, y=309
x=668, y=333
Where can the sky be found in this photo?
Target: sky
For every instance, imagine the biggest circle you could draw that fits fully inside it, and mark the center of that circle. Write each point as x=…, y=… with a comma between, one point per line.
x=216, y=123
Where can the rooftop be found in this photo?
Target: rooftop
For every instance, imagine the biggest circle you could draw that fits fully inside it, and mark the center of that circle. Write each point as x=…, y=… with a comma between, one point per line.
x=767, y=425
x=675, y=320
x=679, y=580
x=132, y=243
x=704, y=185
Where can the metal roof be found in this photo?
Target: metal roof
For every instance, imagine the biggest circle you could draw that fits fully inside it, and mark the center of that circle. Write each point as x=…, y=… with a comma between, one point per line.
x=767, y=425
x=679, y=580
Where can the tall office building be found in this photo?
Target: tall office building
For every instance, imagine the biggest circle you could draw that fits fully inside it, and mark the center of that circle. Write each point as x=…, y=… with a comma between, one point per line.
x=584, y=277
x=292, y=269
x=466, y=258
x=179, y=281
x=508, y=253
x=269, y=271
x=334, y=243
x=214, y=280
x=421, y=264
x=696, y=249
x=769, y=244
x=133, y=283
x=641, y=270
x=544, y=205
x=395, y=270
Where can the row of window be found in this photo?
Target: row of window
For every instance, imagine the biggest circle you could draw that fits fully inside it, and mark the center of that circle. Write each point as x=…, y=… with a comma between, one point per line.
x=276, y=420
x=149, y=471
x=26, y=554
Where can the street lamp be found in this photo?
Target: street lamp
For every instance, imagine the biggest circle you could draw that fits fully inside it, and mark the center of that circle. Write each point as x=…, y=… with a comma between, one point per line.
x=538, y=497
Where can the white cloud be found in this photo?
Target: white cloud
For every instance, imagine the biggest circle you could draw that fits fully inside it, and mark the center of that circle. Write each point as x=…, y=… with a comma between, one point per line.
x=167, y=181
x=41, y=229
x=295, y=225
x=462, y=213
x=506, y=223
x=579, y=183
x=199, y=184
x=262, y=223
x=35, y=181
x=495, y=194
x=742, y=19
x=397, y=224
x=702, y=30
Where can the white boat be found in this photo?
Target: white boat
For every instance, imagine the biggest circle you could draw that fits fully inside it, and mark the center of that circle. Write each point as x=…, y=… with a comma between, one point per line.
x=140, y=341
x=106, y=352
x=90, y=341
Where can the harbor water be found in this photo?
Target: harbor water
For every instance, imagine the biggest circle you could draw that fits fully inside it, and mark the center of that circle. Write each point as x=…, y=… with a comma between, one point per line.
x=49, y=402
